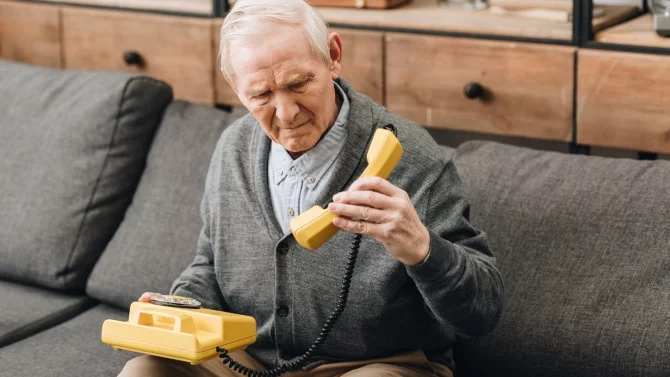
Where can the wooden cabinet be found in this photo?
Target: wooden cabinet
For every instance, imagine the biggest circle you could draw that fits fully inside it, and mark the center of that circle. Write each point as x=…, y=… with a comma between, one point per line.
x=175, y=49
x=623, y=100
x=30, y=33
x=518, y=89
x=362, y=64
x=498, y=87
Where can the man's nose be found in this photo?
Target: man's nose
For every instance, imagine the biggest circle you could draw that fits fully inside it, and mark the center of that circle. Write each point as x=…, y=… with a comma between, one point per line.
x=287, y=108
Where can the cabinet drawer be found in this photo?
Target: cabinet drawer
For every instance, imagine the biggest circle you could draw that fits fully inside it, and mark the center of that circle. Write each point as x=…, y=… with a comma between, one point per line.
x=29, y=33
x=174, y=49
x=362, y=64
x=527, y=88
x=623, y=100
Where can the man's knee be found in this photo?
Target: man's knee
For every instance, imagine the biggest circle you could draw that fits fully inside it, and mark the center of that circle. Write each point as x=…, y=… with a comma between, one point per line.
x=387, y=370
x=147, y=366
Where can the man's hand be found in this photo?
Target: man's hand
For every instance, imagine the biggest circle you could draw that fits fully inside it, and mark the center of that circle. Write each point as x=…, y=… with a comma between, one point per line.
x=146, y=296
x=385, y=212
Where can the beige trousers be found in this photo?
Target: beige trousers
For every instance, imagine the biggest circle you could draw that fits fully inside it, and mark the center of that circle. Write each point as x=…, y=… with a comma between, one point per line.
x=411, y=364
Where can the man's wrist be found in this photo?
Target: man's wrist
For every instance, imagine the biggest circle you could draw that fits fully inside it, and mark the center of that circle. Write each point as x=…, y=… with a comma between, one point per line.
x=423, y=249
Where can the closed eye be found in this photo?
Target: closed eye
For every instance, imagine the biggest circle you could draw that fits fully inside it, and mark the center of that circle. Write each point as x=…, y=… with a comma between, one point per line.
x=298, y=85
x=265, y=94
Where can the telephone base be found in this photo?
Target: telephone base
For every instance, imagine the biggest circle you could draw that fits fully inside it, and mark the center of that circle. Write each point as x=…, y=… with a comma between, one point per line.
x=194, y=358
x=189, y=335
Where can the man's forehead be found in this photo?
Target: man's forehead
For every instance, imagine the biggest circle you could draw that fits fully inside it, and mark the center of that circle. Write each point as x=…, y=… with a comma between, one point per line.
x=276, y=58
x=266, y=79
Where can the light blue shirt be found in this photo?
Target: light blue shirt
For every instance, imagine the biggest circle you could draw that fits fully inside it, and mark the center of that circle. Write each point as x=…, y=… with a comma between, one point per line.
x=295, y=184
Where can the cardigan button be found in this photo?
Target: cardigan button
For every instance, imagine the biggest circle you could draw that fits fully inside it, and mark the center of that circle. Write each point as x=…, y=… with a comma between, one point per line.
x=282, y=311
x=282, y=249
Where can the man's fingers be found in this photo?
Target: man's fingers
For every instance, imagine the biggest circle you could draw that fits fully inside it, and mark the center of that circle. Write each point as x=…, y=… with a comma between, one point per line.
x=377, y=184
x=146, y=296
x=360, y=212
x=365, y=198
x=357, y=226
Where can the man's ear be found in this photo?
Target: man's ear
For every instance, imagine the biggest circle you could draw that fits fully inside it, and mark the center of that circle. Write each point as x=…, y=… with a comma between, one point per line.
x=335, y=48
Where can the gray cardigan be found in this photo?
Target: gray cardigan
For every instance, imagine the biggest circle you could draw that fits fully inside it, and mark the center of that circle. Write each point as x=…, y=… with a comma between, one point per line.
x=245, y=264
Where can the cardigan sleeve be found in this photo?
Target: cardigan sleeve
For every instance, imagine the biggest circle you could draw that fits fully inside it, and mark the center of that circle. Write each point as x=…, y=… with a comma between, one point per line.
x=459, y=282
x=198, y=280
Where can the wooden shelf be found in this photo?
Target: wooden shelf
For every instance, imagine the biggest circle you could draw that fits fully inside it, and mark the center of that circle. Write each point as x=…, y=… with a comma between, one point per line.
x=614, y=15
x=636, y=32
x=204, y=7
x=428, y=15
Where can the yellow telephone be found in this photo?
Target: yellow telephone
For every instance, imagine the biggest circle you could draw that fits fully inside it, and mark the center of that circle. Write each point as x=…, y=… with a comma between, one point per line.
x=315, y=226
x=178, y=328
x=182, y=333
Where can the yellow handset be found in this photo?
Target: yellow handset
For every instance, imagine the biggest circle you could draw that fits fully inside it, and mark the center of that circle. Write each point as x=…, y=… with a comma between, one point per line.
x=190, y=335
x=315, y=226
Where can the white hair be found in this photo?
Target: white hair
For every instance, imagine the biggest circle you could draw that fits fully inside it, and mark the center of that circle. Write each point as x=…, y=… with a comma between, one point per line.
x=250, y=20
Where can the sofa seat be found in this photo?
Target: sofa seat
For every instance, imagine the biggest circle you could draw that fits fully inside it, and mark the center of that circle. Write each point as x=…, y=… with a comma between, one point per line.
x=72, y=348
x=29, y=310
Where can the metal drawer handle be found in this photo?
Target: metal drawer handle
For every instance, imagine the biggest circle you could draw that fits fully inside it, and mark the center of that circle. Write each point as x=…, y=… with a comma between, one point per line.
x=473, y=90
x=133, y=58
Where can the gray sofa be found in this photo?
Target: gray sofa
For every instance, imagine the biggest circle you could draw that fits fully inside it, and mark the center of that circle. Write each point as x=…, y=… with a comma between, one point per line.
x=100, y=181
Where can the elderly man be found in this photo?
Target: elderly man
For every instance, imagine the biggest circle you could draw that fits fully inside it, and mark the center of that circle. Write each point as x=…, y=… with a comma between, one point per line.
x=424, y=275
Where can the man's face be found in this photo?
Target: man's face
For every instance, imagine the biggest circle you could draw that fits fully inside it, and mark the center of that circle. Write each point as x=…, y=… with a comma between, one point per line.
x=287, y=87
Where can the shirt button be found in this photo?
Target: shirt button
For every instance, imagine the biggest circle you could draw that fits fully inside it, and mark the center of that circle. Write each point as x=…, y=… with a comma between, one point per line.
x=282, y=249
x=281, y=172
x=293, y=170
x=310, y=179
x=282, y=311
x=291, y=212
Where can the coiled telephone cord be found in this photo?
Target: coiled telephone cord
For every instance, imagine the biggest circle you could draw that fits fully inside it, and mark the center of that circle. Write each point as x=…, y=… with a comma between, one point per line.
x=325, y=330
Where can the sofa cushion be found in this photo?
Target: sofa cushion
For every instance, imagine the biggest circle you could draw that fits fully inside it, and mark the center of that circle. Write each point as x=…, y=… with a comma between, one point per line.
x=449, y=151
x=72, y=349
x=27, y=310
x=157, y=238
x=583, y=244
x=72, y=148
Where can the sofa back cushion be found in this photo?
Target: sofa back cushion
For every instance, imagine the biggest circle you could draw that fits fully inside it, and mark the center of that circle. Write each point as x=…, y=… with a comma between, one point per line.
x=72, y=148
x=157, y=239
x=583, y=244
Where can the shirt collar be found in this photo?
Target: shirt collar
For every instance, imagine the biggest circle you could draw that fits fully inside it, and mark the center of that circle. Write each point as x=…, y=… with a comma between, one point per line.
x=314, y=163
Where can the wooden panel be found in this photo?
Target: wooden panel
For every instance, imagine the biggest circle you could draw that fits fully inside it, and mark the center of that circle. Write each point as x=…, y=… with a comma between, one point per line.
x=362, y=64
x=637, y=32
x=175, y=49
x=182, y=6
x=223, y=92
x=623, y=100
x=30, y=33
x=363, y=61
x=528, y=87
